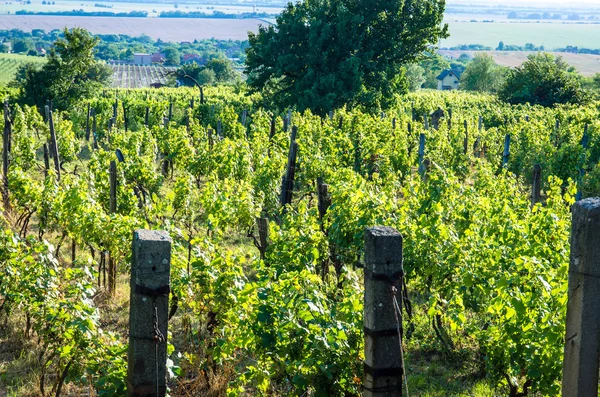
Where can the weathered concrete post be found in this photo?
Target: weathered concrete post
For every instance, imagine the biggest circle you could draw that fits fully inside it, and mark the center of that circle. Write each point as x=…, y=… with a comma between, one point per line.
x=383, y=271
x=87, y=123
x=466, y=141
x=582, y=340
x=54, y=145
x=506, y=153
x=421, y=154
x=148, y=314
x=6, y=138
x=536, y=185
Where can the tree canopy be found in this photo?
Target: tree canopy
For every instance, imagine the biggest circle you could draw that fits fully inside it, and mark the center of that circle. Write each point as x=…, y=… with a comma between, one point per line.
x=324, y=54
x=70, y=74
x=543, y=80
x=482, y=74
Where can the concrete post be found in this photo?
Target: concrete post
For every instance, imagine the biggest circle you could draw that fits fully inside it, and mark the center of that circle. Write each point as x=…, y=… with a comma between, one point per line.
x=582, y=340
x=421, y=154
x=506, y=153
x=112, y=264
x=272, y=130
x=148, y=314
x=54, y=145
x=536, y=185
x=87, y=123
x=383, y=270
x=466, y=141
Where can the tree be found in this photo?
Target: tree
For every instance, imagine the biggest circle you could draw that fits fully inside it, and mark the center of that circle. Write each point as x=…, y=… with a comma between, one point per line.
x=543, y=80
x=324, y=54
x=22, y=45
x=482, y=74
x=207, y=77
x=596, y=80
x=70, y=74
x=433, y=65
x=415, y=76
x=223, y=70
x=500, y=46
x=172, y=56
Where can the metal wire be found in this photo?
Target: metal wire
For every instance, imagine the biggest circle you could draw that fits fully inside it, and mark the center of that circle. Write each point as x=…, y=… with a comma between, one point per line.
x=158, y=338
x=398, y=315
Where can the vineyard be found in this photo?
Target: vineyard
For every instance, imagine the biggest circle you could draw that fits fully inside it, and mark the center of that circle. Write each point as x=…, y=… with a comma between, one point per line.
x=278, y=309
x=137, y=76
x=9, y=63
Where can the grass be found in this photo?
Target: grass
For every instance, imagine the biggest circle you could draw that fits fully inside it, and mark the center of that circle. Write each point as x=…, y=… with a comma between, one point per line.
x=550, y=35
x=432, y=370
x=9, y=63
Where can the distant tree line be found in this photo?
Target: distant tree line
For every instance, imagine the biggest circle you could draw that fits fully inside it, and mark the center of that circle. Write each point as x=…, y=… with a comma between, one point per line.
x=215, y=14
x=545, y=15
x=122, y=47
x=81, y=13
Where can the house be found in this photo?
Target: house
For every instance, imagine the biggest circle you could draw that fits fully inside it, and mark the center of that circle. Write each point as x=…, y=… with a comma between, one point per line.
x=142, y=59
x=448, y=80
x=158, y=57
x=189, y=58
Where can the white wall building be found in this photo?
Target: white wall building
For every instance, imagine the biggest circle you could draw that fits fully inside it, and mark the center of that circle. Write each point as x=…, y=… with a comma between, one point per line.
x=142, y=59
x=448, y=80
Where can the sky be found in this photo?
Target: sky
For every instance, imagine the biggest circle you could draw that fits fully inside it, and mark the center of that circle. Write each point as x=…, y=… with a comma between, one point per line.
x=565, y=3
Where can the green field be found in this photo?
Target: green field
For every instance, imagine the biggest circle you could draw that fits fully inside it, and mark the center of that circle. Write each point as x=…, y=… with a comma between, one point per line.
x=9, y=63
x=550, y=35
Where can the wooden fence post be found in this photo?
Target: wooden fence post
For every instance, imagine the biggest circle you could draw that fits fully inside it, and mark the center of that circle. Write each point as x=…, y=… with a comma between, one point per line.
x=244, y=117
x=582, y=340
x=201, y=95
x=147, y=116
x=536, y=185
x=54, y=145
x=148, y=314
x=383, y=277
x=220, y=129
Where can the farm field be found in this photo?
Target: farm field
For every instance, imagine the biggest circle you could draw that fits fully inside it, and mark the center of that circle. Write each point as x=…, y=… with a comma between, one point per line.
x=9, y=63
x=166, y=29
x=153, y=9
x=479, y=285
x=586, y=64
x=136, y=76
x=550, y=35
